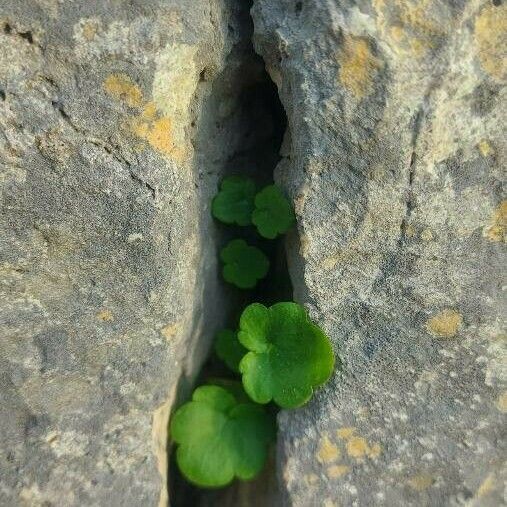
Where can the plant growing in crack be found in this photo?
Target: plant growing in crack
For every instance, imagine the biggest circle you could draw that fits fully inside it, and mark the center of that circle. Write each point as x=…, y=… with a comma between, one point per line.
x=221, y=435
x=288, y=354
x=273, y=214
x=226, y=429
x=229, y=349
x=234, y=203
x=244, y=265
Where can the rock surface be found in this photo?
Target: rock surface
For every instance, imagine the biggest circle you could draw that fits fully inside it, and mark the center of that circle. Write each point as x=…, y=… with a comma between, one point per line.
x=395, y=159
x=117, y=119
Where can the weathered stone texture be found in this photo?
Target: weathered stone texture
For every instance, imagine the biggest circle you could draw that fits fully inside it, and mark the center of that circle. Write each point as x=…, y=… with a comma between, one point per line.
x=108, y=275
x=395, y=159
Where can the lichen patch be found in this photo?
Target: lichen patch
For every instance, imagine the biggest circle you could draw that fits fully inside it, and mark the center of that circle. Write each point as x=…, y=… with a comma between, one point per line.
x=336, y=471
x=491, y=38
x=495, y=231
x=358, y=66
x=170, y=331
x=501, y=402
x=358, y=447
x=105, y=315
x=445, y=324
x=122, y=88
x=328, y=451
x=420, y=482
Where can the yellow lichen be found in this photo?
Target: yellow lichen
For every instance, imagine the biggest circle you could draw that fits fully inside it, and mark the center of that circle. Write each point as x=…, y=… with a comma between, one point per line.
x=150, y=125
x=485, y=148
x=491, y=37
x=311, y=479
x=170, y=330
x=304, y=245
x=501, y=402
x=487, y=486
x=158, y=133
x=336, y=471
x=445, y=324
x=420, y=482
x=121, y=87
x=149, y=111
x=345, y=432
x=328, y=451
x=358, y=66
x=105, y=315
x=410, y=26
x=89, y=29
x=329, y=262
x=374, y=451
x=357, y=447
x=495, y=231
x=410, y=231
x=426, y=235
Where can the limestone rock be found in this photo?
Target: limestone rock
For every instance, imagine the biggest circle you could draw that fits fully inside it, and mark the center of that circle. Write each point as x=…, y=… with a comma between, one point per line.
x=395, y=160
x=117, y=119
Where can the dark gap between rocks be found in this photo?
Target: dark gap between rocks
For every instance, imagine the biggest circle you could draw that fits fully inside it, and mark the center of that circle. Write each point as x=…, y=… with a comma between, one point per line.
x=260, y=123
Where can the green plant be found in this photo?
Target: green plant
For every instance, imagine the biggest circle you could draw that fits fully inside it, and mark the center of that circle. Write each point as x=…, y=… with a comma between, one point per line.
x=288, y=355
x=281, y=355
x=229, y=349
x=243, y=264
x=220, y=437
x=234, y=203
x=273, y=214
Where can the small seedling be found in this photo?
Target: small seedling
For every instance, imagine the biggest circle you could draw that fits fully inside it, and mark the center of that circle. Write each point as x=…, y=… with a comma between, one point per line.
x=243, y=264
x=273, y=214
x=289, y=355
x=234, y=203
x=221, y=437
x=229, y=349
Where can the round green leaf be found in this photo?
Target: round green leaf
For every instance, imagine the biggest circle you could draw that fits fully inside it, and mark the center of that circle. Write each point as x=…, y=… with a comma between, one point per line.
x=243, y=264
x=220, y=437
x=289, y=355
x=228, y=349
x=273, y=213
x=235, y=201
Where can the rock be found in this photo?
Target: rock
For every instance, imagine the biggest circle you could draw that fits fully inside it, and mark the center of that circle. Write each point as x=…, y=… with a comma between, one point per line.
x=394, y=159
x=117, y=121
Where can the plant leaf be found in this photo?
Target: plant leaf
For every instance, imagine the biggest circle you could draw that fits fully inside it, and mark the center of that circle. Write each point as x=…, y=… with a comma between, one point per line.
x=229, y=349
x=220, y=437
x=234, y=202
x=289, y=355
x=273, y=213
x=243, y=264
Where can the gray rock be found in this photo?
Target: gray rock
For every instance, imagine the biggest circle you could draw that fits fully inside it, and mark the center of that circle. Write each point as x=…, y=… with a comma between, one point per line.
x=117, y=120
x=395, y=159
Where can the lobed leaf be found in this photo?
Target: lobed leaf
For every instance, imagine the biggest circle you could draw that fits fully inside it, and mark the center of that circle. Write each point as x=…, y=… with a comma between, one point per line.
x=234, y=203
x=229, y=349
x=244, y=265
x=289, y=355
x=273, y=214
x=220, y=437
